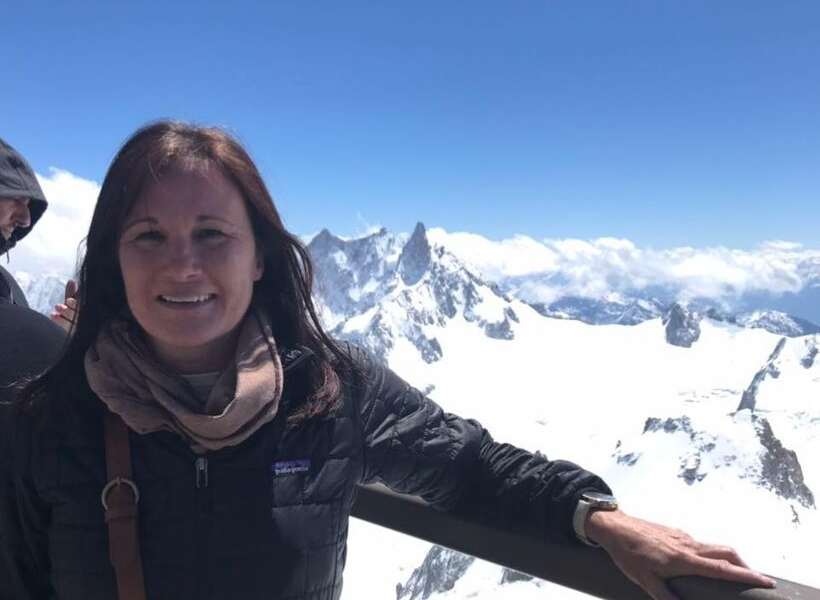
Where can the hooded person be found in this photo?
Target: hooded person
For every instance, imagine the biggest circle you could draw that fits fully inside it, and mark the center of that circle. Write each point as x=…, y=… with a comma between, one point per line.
x=29, y=341
x=22, y=203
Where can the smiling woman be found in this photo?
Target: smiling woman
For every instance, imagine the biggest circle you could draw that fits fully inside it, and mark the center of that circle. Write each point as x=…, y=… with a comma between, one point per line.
x=225, y=432
x=189, y=260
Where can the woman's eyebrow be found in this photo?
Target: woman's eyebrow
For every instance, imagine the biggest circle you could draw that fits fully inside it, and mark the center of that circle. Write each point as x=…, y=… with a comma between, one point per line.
x=130, y=224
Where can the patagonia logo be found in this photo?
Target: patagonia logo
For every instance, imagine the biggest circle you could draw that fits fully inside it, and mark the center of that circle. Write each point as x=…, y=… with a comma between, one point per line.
x=288, y=467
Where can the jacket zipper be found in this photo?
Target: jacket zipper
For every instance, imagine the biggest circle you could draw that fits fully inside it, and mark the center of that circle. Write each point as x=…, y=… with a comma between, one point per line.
x=201, y=468
x=203, y=500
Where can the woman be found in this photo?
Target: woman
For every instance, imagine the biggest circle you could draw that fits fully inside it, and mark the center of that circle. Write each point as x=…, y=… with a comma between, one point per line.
x=198, y=362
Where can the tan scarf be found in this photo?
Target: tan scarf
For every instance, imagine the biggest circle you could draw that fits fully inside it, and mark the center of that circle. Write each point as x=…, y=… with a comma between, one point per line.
x=123, y=372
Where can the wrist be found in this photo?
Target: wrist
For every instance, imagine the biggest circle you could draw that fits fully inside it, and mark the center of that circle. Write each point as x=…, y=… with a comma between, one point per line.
x=600, y=524
x=589, y=504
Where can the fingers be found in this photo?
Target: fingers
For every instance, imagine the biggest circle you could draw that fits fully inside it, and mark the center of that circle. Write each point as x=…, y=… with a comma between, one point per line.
x=64, y=315
x=70, y=289
x=722, y=553
x=723, y=569
x=67, y=311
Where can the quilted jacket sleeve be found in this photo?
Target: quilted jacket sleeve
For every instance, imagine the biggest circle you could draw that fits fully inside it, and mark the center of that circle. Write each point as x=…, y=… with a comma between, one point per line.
x=414, y=447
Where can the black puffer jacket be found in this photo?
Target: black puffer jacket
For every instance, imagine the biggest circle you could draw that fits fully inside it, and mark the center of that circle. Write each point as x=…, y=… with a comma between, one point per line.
x=17, y=180
x=269, y=518
x=29, y=344
x=10, y=292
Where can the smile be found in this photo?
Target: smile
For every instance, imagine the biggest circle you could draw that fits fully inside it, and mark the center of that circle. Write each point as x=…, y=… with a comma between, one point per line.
x=186, y=300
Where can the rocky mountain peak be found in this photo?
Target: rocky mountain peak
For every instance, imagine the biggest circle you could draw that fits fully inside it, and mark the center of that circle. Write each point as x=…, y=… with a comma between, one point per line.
x=682, y=327
x=324, y=240
x=415, y=257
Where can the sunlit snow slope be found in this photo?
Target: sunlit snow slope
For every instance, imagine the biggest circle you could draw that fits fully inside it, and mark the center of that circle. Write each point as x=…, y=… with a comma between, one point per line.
x=660, y=422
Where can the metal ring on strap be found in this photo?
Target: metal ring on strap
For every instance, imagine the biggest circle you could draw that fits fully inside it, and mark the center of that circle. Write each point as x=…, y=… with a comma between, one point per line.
x=114, y=483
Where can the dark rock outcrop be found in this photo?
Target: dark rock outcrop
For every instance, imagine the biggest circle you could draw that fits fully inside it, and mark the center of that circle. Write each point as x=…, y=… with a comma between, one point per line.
x=429, y=348
x=702, y=444
x=511, y=576
x=749, y=398
x=439, y=572
x=502, y=330
x=669, y=425
x=811, y=353
x=780, y=469
x=415, y=257
x=682, y=327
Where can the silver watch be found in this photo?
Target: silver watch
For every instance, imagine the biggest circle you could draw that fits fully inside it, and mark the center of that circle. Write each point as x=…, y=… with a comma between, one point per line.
x=590, y=502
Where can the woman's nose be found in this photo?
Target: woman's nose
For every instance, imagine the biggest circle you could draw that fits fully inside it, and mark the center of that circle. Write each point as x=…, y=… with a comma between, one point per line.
x=183, y=260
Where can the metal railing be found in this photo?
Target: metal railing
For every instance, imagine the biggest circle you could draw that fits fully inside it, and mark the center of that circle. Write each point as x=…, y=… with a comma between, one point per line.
x=588, y=570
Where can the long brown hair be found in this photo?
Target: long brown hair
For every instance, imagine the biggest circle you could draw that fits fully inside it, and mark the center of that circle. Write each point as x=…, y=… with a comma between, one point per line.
x=284, y=290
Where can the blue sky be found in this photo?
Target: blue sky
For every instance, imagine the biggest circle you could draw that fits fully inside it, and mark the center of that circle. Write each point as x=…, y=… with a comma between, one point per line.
x=667, y=123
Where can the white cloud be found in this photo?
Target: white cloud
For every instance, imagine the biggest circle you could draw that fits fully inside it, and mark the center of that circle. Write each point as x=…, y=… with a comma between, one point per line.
x=53, y=244
x=520, y=255
x=540, y=270
x=598, y=268
x=365, y=227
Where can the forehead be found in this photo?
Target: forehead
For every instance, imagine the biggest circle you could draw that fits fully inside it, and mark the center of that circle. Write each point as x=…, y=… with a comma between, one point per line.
x=188, y=194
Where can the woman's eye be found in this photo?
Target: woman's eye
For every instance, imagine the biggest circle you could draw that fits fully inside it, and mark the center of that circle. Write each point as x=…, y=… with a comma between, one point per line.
x=149, y=236
x=207, y=234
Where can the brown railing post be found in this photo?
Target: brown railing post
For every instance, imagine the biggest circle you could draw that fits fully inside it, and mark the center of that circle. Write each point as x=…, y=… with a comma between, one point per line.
x=584, y=569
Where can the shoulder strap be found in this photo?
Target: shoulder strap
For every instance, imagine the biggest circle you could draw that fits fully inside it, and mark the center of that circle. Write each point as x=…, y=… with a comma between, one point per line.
x=119, y=498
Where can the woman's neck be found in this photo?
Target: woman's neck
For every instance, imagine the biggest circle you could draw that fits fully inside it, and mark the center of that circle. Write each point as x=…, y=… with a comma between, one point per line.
x=213, y=356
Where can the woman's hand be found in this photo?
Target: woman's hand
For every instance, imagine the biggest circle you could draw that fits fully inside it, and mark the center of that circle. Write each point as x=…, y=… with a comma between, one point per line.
x=65, y=314
x=649, y=553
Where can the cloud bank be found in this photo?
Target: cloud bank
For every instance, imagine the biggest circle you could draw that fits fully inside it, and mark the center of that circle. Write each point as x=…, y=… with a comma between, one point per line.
x=543, y=270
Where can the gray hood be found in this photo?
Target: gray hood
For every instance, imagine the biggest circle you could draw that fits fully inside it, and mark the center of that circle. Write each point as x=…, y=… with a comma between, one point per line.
x=17, y=180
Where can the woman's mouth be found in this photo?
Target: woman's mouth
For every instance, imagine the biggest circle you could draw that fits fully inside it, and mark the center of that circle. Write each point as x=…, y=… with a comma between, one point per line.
x=185, y=301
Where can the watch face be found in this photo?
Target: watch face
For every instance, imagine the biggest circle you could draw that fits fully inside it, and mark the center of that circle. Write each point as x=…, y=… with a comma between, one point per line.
x=600, y=500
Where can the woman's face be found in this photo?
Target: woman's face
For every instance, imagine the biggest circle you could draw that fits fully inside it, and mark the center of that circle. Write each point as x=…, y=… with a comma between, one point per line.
x=189, y=261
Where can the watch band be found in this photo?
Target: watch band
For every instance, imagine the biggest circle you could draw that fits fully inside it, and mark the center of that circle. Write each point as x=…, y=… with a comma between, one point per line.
x=590, y=502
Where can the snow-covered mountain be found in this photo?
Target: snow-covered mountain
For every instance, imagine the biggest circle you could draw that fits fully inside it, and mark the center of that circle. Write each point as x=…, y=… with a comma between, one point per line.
x=620, y=310
x=778, y=322
x=699, y=415
x=404, y=291
x=659, y=408
x=42, y=291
